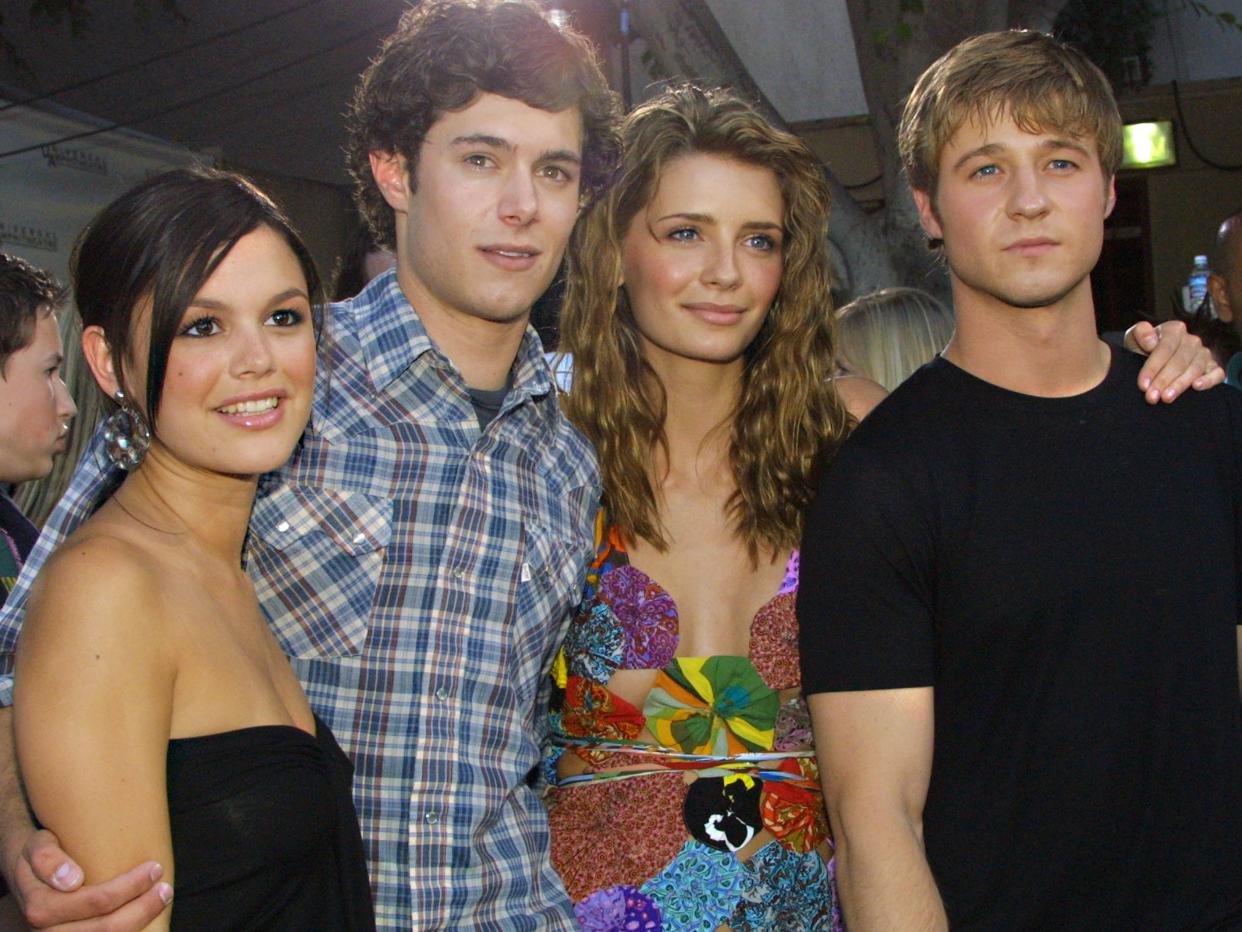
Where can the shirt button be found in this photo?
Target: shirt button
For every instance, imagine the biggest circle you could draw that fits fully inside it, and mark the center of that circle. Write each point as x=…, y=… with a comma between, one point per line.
x=442, y=694
x=431, y=818
x=360, y=538
x=459, y=573
x=283, y=526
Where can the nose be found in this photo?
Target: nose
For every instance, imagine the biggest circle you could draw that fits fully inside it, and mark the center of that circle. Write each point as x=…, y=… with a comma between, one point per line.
x=721, y=269
x=1027, y=197
x=519, y=201
x=65, y=407
x=253, y=354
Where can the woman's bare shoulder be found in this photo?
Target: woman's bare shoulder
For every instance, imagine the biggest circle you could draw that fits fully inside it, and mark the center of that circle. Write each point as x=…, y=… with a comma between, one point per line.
x=111, y=580
x=859, y=394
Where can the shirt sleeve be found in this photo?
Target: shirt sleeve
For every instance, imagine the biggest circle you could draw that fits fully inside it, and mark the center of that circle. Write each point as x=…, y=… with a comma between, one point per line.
x=866, y=591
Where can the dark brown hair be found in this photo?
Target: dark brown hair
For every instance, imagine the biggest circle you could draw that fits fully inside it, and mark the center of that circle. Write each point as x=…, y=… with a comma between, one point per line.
x=26, y=293
x=161, y=240
x=447, y=52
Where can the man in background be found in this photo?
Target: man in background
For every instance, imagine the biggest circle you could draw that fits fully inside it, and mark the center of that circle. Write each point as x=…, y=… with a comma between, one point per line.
x=35, y=405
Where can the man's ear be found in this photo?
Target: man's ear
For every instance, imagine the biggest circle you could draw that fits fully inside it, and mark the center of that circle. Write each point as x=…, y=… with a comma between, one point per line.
x=98, y=353
x=392, y=176
x=927, y=215
x=1112, y=197
x=1218, y=288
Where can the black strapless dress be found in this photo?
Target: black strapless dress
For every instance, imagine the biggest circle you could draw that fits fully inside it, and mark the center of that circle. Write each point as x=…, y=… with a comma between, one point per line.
x=264, y=832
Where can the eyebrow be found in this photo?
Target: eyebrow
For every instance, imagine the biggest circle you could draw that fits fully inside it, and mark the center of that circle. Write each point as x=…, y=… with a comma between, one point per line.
x=994, y=148
x=708, y=218
x=212, y=304
x=499, y=142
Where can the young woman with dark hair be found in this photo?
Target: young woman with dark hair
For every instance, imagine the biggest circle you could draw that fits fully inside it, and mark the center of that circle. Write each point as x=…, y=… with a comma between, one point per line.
x=156, y=715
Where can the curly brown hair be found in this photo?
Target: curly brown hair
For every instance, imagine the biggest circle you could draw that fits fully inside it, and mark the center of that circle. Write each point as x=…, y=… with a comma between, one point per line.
x=788, y=416
x=446, y=52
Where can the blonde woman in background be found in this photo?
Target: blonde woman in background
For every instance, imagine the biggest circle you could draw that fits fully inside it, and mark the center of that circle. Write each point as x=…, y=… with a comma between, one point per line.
x=889, y=333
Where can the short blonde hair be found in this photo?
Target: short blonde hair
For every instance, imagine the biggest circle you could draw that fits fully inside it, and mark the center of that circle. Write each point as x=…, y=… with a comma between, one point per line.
x=889, y=333
x=1039, y=81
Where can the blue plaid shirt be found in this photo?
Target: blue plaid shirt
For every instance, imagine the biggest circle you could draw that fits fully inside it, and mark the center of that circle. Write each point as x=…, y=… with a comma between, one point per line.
x=420, y=574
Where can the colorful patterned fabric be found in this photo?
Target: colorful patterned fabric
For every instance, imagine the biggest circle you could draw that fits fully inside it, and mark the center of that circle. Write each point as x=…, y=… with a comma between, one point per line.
x=420, y=572
x=647, y=616
x=706, y=801
x=774, y=897
x=698, y=891
x=618, y=909
x=712, y=705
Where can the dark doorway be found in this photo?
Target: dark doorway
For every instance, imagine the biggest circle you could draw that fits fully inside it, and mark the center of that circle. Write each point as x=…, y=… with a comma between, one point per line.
x=1121, y=282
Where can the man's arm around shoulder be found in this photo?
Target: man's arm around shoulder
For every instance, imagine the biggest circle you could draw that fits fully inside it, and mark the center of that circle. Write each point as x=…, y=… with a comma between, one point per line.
x=875, y=753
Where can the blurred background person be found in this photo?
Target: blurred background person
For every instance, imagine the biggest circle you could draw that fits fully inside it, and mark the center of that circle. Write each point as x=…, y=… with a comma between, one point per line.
x=35, y=405
x=886, y=335
x=363, y=261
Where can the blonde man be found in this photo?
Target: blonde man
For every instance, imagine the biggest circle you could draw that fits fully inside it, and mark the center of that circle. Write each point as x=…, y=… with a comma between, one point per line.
x=1016, y=731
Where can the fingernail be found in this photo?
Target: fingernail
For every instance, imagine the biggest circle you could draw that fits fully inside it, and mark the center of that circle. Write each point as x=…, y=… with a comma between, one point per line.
x=1146, y=384
x=67, y=876
x=156, y=871
x=165, y=892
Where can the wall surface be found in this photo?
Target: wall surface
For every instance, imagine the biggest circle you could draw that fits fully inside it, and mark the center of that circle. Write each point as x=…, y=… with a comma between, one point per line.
x=1187, y=202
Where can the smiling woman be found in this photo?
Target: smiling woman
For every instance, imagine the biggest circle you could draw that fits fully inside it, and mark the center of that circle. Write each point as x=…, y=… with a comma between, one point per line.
x=698, y=316
x=156, y=716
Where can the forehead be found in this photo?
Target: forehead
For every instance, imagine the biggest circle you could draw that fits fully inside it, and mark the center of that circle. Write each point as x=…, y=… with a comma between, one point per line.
x=44, y=337
x=512, y=121
x=704, y=176
x=1006, y=130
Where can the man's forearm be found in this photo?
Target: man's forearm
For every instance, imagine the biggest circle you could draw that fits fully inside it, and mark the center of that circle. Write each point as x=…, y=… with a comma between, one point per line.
x=885, y=882
x=15, y=823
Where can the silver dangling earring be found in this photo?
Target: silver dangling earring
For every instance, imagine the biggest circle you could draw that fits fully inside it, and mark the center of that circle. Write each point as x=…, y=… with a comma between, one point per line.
x=126, y=434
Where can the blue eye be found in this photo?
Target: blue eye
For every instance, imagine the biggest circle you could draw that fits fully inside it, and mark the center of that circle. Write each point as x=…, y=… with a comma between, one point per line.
x=684, y=234
x=762, y=242
x=1062, y=164
x=986, y=171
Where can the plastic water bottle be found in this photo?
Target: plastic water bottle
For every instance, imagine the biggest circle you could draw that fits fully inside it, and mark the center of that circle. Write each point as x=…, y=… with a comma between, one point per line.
x=1197, y=284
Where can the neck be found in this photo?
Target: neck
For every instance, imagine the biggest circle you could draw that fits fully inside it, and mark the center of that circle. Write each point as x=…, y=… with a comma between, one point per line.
x=207, y=509
x=1048, y=351
x=701, y=401
x=482, y=350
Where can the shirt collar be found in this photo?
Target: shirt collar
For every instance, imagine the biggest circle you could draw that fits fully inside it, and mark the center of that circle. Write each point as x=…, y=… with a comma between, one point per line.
x=391, y=336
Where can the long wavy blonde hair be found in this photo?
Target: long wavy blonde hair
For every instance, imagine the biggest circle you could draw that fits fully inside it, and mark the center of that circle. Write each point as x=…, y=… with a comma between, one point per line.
x=788, y=416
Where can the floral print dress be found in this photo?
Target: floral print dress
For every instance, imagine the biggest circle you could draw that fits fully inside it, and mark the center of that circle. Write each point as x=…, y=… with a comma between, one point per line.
x=698, y=808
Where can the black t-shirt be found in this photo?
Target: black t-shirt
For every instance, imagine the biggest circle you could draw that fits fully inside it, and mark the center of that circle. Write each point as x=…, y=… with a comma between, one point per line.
x=1064, y=572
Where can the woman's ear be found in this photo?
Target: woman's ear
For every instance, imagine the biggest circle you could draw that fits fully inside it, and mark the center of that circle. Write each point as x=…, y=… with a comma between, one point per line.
x=98, y=353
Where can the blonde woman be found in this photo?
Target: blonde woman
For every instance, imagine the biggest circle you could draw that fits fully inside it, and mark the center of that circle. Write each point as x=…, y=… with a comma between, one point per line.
x=686, y=786
x=889, y=333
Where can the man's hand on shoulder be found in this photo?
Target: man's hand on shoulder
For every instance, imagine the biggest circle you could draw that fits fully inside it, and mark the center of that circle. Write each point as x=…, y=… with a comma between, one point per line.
x=1176, y=360
x=49, y=889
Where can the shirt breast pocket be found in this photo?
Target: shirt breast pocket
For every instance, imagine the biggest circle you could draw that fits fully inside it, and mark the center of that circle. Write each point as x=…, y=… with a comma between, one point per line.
x=315, y=556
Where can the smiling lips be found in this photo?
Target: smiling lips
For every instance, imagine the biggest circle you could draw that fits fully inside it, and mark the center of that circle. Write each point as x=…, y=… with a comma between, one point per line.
x=716, y=313
x=255, y=413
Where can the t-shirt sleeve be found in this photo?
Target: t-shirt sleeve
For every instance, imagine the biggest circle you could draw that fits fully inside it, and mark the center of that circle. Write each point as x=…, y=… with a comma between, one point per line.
x=865, y=593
